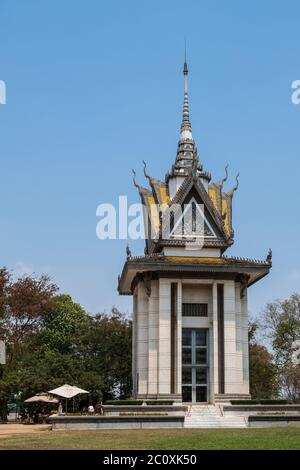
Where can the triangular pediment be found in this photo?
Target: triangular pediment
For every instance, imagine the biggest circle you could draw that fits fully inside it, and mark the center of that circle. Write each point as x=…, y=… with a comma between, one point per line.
x=192, y=222
x=193, y=216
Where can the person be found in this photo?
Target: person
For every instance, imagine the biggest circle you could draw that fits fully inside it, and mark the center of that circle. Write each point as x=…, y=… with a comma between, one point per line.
x=91, y=409
x=60, y=408
x=99, y=409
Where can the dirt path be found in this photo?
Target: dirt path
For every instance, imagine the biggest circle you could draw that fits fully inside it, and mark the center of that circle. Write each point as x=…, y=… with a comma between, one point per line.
x=15, y=428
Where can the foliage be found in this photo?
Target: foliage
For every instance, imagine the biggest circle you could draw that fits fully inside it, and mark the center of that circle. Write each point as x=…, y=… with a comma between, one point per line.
x=23, y=303
x=262, y=370
x=63, y=325
x=51, y=340
x=289, y=379
x=281, y=321
x=124, y=402
x=244, y=402
x=107, y=346
x=159, y=402
x=259, y=402
x=273, y=402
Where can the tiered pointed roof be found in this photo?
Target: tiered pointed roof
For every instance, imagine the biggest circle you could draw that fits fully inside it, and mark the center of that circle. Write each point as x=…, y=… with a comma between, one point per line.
x=193, y=180
x=188, y=184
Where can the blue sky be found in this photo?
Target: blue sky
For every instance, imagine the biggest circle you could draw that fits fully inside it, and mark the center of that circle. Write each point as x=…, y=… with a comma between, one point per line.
x=95, y=87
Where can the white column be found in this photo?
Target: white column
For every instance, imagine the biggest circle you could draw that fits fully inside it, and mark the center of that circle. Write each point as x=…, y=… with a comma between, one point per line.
x=230, y=338
x=164, y=334
x=153, y=316
x=134, y=360
x=179, y=335
x=142, y=339
x=239, y=347
x=245, y=342
x=214, y=371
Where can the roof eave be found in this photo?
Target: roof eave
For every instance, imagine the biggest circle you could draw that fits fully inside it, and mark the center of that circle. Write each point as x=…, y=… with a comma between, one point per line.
x=134, y=266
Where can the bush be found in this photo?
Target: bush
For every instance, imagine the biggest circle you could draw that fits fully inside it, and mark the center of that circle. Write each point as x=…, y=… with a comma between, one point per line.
x=273, y=402
x=143, y=414
x=244, y=402
x=159, y=402
x=259, y=402
x=124, y=402
x=138, y=402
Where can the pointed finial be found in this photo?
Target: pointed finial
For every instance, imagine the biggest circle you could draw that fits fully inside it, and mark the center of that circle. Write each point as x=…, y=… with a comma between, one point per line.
x=185, y=67
x=269, y=256
x=128, y=251
x=186, y=128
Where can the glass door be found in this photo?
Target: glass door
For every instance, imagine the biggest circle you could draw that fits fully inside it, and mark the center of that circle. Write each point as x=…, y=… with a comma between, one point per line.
x=194, y=364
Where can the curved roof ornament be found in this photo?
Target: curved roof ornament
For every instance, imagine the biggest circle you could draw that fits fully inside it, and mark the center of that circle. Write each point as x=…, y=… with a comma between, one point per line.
x=225, y=177
x=145, y=171
x=134, y=180
x=237, y=182
x=230, y=193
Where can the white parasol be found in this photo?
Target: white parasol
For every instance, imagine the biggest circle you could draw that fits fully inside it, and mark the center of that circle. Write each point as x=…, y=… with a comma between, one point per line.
x=67, y=391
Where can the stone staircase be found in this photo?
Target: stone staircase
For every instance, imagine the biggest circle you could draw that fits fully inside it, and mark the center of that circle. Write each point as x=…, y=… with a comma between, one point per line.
x=210, y=416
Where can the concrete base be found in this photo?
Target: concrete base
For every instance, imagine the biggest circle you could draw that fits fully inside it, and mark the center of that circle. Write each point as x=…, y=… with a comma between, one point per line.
x=171, y=410
x=115, y=422
x=273, y=421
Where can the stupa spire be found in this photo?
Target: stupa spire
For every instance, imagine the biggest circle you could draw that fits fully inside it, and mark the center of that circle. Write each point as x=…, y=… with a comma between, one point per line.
x=186, y=128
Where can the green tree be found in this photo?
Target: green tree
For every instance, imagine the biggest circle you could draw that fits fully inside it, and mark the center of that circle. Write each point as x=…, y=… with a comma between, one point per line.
x=281, y=321
x=107, y=345
x=23, y=303
x=63, y=324
x=51, y=340
x=262, y=370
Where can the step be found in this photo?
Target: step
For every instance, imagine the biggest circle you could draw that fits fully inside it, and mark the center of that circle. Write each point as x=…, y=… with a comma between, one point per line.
x=209, y=416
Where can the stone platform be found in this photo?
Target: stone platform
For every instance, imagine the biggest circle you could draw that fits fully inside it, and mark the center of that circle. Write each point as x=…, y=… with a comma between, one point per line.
x=115, y=422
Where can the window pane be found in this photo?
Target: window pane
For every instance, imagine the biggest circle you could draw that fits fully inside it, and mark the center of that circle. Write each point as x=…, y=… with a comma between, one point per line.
x=186, y=337
x=186, y=375
x=186, y=356
x=194, y=310
x=201, y=356
x=186, y=393
x=201, y=394
x=201, y=376
x=201, y=337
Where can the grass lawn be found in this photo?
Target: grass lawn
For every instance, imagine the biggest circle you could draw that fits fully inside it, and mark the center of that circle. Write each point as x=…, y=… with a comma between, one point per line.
x=157, y=439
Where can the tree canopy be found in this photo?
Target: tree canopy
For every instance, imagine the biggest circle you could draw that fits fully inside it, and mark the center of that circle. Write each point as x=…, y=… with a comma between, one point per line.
x=51, y=340
x=281, y=324
x=262, y=370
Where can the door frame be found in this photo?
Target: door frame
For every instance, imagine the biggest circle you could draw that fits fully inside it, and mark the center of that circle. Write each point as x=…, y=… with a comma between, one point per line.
x=193, y=365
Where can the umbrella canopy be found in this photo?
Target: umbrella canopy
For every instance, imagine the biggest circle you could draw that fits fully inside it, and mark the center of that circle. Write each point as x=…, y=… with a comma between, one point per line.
x=41, y=397
x=67, y=391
